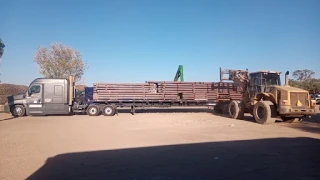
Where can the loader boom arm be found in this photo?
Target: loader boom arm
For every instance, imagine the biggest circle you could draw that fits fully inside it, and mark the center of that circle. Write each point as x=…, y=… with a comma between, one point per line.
x=240, y=77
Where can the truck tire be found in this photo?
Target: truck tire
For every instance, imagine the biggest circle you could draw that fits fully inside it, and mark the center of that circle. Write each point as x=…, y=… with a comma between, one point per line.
x=217, y=109
x=236, y=110
x=93, y=110
x=18, y=111
x=108, y=110
x=263, y=112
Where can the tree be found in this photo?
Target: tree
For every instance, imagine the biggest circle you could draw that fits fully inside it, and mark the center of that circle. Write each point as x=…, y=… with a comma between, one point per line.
x=59, y=61
x=304, y=74
x=1, y=48
x=304, y=79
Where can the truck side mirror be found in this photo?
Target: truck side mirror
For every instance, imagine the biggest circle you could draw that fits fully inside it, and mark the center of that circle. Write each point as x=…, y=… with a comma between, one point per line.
x=29, y=92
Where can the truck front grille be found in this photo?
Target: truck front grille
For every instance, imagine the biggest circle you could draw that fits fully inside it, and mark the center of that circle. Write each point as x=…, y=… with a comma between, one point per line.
x=295, y=97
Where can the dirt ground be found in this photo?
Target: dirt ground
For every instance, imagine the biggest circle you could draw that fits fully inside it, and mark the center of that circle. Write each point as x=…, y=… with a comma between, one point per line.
x=156, y=146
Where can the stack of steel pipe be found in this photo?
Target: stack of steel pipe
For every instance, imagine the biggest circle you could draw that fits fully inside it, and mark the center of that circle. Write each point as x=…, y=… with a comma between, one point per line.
x=164, y=90
x=106, y=91
x=227, y=91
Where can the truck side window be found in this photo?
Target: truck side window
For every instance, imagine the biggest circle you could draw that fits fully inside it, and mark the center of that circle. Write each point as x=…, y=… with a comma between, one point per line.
x=58, y=89
x=35, y=89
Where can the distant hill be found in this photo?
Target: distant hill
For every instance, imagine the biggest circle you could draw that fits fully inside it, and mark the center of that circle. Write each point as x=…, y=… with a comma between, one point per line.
x=10, y=89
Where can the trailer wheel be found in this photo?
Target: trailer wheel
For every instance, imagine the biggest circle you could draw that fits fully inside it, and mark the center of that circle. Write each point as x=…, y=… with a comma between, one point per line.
x=108, y=110
x=236, y=110
x=225, y=109
x=93, y=110
x=18, y=111
x=264, y=112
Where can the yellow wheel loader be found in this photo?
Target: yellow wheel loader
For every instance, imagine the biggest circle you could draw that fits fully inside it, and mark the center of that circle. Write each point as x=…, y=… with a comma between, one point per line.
x=266, y=99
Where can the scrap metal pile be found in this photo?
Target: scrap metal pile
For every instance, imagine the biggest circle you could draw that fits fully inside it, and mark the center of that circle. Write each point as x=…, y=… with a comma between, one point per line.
x=166, y=90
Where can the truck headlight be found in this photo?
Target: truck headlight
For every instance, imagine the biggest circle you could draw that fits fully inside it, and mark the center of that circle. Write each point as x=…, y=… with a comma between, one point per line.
x=313, y=104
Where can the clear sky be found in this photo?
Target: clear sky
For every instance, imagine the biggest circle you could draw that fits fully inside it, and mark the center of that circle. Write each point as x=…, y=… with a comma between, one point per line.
x=134, y=41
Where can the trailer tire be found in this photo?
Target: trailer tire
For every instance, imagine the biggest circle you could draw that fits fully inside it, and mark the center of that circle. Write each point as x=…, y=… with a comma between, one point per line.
x=264, y=112
x=18, y=111
x=108, y=110
x=236, y=110
x=225, y=109
x=93, y=110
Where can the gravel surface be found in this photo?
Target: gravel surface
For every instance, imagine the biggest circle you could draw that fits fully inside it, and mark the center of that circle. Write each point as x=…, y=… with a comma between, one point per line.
x=157, y=146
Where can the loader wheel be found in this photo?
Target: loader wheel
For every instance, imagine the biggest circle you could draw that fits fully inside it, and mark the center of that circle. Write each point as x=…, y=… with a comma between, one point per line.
x=291, y=119
x=93, y=110
x=108, y=110
x=236, y=110
x=263, y=112
x=18, y=111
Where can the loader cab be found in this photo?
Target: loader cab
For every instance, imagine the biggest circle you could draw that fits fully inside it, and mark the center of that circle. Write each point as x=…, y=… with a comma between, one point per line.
x=262, y=81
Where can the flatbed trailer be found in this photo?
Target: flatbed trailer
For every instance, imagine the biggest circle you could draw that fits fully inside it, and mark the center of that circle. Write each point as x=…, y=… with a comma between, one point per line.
x=105, y=98
x=59, y=97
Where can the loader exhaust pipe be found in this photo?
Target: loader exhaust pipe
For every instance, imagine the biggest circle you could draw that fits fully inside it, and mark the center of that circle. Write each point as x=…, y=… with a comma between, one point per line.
x=287, y=78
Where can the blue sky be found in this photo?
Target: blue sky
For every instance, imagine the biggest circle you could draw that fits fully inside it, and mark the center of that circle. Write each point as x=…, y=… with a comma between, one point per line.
x=134, y=41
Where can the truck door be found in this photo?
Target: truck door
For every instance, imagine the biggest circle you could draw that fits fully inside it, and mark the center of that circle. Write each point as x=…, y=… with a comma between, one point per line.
x=35, y=99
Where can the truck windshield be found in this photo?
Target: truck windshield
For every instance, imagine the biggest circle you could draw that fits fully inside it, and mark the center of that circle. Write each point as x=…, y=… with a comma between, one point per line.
x=271, y=79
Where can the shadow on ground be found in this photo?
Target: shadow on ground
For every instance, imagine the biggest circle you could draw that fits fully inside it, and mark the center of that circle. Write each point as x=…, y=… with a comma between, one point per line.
x=311, y=125
x=6, y=116
x=168, y=110
x=313, y=119
x=280, y=158
x=6, y=119
x=247, y=117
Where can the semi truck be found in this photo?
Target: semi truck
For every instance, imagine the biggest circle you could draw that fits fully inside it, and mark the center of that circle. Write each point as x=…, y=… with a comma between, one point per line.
x=57, y=96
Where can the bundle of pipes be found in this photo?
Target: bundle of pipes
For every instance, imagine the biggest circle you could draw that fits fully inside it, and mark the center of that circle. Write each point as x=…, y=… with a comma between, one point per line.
x=227, y=91
x=163, y=90
x=105, y=91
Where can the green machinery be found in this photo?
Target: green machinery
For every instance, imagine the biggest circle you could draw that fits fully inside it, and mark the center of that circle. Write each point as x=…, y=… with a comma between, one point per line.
x=179, y=74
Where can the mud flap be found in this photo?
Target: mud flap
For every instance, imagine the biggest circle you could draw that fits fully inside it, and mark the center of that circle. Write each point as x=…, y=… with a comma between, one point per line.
x=6, y=109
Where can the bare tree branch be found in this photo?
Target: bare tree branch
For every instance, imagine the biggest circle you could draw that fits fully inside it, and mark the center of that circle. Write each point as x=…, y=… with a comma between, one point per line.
x=60, y=61
x=304, y=80
x=303, y=74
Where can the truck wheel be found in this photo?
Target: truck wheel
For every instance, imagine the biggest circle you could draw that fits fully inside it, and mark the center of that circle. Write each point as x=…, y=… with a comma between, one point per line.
x=291, y=119
x=263, y=112
x=93, y=110
x=217, y=109
x=18, y=111
x=108, y=110
x=225, y=109
x=236, y=110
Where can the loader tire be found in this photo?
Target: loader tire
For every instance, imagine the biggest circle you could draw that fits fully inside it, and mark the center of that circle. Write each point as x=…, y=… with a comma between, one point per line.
x=264, y=112
x=236, y=110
